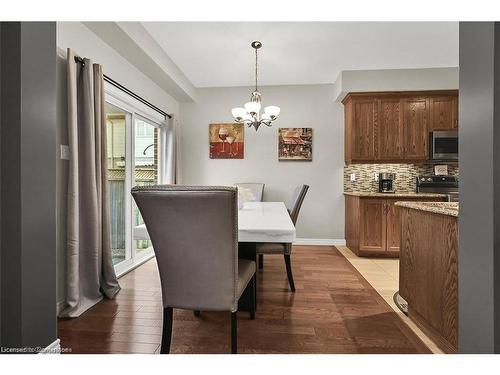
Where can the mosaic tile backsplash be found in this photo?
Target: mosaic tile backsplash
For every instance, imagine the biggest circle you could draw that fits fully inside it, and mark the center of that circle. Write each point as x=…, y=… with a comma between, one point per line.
x=406, y=175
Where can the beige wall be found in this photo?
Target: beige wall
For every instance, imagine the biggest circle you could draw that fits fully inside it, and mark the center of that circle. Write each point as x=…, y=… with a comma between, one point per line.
x=322, y=215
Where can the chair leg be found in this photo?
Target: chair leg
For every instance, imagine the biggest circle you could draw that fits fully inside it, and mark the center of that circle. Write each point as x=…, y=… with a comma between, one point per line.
x=261, y=261
x=288, y=265
x=234, y=333
x=253, y=301
x=168, y=317
x=197, y=313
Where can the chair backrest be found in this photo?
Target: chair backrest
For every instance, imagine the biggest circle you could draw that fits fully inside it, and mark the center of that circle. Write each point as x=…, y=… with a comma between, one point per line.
x=295, y=202
x=194, y=232
x=256, y=188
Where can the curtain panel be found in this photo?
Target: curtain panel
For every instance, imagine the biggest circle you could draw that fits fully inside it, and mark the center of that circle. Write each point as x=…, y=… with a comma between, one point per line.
x=172, y=152
x=90, y=271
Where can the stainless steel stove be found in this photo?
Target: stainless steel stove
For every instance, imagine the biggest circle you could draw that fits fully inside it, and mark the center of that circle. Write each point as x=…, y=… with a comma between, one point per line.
x=439, y=184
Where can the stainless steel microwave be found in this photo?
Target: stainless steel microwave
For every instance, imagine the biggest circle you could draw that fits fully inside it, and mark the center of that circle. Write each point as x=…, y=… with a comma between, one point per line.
x=443, y=145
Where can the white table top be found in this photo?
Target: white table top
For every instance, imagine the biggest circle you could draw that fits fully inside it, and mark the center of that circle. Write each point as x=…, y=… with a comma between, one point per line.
x=257, y=222
x=265, y=222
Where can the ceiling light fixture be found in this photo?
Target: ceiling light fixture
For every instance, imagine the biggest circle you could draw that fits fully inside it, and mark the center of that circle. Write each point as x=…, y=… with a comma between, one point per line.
x=250, y=114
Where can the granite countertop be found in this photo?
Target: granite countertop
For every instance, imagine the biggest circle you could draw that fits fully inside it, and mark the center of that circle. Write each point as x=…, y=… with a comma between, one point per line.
x=443, y=208
x=394, y=195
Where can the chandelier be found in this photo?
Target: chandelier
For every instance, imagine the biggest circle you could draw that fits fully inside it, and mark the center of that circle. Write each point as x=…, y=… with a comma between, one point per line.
x=250, y=115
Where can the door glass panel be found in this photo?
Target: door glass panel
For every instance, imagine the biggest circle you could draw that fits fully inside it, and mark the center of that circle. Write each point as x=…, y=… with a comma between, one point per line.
x=116, y=149
x=145, y=169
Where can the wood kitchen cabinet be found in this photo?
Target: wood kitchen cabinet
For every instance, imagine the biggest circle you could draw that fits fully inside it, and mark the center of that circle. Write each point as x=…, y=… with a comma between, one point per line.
x=390, y=135
x=444, y=113
x=362, y=128
x=395, y=126
x=393, y=218
x=416, y=115
x=428, y=273
x=372, y=222
x=372, y=233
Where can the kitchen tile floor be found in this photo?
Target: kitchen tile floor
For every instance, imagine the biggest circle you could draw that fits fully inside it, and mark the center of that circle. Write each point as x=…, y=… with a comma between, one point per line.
x=383, y=275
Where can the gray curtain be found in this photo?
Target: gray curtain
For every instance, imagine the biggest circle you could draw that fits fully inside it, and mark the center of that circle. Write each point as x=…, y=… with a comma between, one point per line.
x=172, y=152
x=90, y=271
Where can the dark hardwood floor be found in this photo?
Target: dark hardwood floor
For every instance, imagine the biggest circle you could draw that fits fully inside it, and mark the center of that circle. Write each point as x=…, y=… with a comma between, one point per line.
x=334, y=310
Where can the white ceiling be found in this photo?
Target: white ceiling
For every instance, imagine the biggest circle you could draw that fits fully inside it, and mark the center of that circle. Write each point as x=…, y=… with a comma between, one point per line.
x=218, y=54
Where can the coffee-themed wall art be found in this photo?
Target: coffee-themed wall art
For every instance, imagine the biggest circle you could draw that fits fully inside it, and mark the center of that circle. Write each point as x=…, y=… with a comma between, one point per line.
x=295, y=144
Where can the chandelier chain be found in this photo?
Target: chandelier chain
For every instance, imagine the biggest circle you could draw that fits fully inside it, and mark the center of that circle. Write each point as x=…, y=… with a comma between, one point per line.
x=256, y=71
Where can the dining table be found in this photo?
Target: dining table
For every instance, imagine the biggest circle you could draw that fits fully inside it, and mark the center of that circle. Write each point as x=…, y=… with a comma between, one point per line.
x=258, y=222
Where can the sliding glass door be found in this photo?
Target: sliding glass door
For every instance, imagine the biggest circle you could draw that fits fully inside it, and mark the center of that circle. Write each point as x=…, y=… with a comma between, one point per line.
x=117, y=122
x=145, y=170
x=133, y=147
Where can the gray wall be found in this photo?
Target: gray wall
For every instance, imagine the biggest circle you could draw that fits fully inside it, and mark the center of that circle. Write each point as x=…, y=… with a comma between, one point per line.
x=0, y=184
x=322, y=215
x=479, y=267
x=61, y=178
x=28, y=153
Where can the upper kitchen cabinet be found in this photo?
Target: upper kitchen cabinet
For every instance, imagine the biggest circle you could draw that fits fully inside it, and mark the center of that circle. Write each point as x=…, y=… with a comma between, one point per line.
x=389, y=135
x=444, y=112
x=361, y=119
x=395, y=126
x=415, y=128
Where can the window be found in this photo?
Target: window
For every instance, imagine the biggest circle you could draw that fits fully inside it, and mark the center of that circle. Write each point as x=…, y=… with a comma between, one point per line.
x=116, y=138
x=145, y=169
x=133, y=147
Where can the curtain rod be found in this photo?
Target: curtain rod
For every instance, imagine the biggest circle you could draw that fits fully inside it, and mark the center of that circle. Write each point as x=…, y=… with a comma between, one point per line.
x=111, y=81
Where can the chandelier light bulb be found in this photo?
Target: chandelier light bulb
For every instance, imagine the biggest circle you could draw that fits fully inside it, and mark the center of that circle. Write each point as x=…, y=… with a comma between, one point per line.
x=266, y=117
x=238, y=113
x=247, y=118
x=272, y=110
x=252, y=107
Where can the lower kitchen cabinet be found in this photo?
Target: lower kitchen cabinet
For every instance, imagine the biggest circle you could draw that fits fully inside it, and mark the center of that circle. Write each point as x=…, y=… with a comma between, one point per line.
x=393, y=217
x=428, y=272
x=373, y=223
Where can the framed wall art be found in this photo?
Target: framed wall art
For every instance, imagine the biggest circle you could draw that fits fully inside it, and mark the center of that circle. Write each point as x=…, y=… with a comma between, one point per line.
x=295, y=144
x=227, y=141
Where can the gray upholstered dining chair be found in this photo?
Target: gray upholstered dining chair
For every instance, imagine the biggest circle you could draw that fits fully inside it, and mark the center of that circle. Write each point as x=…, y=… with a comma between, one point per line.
x=194, y=232
x=256, y=188
x=293, y=206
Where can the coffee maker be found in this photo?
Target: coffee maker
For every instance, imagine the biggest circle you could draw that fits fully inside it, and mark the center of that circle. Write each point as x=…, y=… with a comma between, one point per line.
x=385, y=182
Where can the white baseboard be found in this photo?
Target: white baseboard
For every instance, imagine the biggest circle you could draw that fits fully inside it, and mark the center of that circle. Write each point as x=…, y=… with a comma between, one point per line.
x=54, y=348
x=320, y=241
